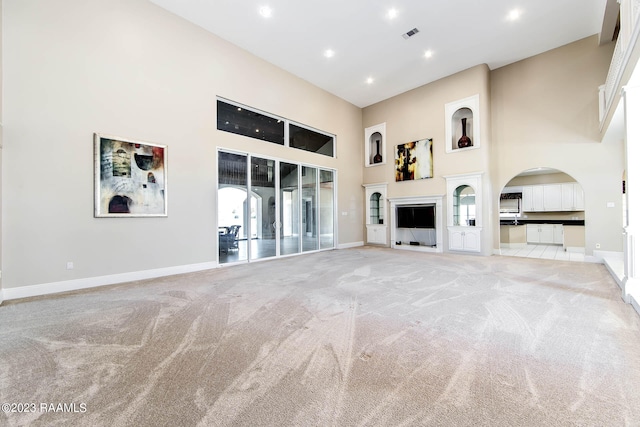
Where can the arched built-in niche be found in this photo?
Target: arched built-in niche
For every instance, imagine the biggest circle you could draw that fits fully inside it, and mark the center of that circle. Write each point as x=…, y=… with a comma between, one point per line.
x=464, y=206
x=376, y=213
x=462, y=124
x=375, y=145
x=542, y=215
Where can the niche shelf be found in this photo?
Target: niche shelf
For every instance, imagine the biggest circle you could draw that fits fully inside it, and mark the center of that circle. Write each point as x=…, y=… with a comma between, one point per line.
x=462, y=124
x=375, y=139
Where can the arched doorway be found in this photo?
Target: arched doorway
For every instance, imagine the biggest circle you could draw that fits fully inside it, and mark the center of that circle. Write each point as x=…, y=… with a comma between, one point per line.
x=542, y=216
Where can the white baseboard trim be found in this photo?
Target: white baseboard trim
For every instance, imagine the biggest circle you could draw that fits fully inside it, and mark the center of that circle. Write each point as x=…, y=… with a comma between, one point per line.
x=92, y=282
x=608, y=254
x=350, y=245
x=512, y=245
x=575, y=249
x=634, y=304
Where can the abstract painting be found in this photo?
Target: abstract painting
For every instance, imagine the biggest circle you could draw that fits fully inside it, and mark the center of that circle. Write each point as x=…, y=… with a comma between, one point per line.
x=414, y=160
x=130, y=178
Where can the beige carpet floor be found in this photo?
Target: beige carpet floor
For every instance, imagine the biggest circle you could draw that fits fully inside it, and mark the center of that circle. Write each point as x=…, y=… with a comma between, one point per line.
x=357, y=337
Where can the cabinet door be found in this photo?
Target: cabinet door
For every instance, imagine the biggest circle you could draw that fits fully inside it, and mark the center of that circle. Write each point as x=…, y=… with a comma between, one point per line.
x=538, y=198
x=471, y=240
x=558, y=234
x=546, y=233
x=552, y=197
x=376, y=235
x=456, y=240
x=533, y=233
x=568, y=197
x=578, y=197
x=527, y=198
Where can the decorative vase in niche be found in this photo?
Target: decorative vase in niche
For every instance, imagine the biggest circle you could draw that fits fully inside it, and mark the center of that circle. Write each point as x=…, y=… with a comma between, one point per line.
x=464, y=140
x=378, y=157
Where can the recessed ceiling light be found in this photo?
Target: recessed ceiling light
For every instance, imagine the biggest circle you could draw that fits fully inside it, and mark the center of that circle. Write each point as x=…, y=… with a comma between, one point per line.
x=329, y=53
x=428, y=53
x=369, y=80
x=265, y=11
x=514, y=15
x=392, y=13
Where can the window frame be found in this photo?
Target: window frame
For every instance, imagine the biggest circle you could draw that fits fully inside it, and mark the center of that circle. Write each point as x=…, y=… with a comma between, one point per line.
x=287, y=123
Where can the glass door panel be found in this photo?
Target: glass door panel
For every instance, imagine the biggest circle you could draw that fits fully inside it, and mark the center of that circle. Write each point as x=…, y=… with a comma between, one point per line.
x=309, y=209
x=233, y=221
x=263, y=208
x=326, y=209
x=289, y=209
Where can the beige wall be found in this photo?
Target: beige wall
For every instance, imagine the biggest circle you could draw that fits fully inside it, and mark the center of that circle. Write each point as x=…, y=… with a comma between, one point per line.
x=131, y=69
x=547, y=178
x=419, y=114
x=541, y=112
x=545, y=114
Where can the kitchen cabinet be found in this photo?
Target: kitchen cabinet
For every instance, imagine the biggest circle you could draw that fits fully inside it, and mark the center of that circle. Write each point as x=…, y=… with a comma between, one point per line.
x=572, y=197
x=558, y=234
x=552, y=197
x=545, y=233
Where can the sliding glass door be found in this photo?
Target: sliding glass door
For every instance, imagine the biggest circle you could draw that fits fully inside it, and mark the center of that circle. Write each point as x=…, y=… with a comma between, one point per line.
x=327, y=209
x=309, y=209
x=289, y=209
x=269, y=208
x=263, y=211
x=233, y=218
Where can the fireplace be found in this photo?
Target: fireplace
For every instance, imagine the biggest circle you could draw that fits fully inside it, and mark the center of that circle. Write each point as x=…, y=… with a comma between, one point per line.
x=416, y=223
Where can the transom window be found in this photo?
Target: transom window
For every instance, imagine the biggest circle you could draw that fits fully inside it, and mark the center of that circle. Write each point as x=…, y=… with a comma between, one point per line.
x=247, y=121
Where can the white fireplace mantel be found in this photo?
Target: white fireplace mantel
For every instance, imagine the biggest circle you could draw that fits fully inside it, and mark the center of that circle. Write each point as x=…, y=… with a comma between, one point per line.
x=436, y=200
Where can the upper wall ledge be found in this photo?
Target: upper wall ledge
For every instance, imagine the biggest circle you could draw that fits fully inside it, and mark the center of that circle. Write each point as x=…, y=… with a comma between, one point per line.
x=623, y=63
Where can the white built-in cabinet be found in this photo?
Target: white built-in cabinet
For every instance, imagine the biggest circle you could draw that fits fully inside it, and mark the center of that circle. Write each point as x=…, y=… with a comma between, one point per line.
x=464, y=212
x=545, y=234
x=464, y=240
x=572, y=197
x=376, y=213
x=553, y=197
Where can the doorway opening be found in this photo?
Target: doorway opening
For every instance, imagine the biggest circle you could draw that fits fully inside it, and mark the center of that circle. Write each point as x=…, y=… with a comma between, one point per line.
x=542, y=215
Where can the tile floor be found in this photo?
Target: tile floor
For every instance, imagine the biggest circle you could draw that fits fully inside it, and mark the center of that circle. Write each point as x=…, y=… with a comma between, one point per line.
x=543, y=251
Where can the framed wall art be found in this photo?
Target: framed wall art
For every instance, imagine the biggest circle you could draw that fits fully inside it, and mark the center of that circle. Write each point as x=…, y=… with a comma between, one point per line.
x=414, y=160
x=130, y=178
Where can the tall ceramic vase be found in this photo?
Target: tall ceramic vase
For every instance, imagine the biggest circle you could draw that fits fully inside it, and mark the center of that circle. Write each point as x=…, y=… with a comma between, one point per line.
x=378, y=157
x=464, y=140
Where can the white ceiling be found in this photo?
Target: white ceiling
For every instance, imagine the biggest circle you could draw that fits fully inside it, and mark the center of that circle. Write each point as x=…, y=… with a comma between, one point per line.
x=460, y=33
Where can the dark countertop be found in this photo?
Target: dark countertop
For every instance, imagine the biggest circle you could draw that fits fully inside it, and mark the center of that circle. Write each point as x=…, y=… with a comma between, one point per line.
x=544, y=221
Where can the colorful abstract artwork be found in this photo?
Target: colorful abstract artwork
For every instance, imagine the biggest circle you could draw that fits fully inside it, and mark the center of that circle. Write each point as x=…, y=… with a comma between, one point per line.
x=414, y=160
x=130, y=178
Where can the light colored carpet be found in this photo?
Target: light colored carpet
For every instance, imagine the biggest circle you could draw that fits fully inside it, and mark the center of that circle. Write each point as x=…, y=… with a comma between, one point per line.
x=358, y=337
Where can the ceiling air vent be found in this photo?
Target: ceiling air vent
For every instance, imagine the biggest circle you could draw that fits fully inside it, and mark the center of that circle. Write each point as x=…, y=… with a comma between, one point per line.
x=410, y=33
